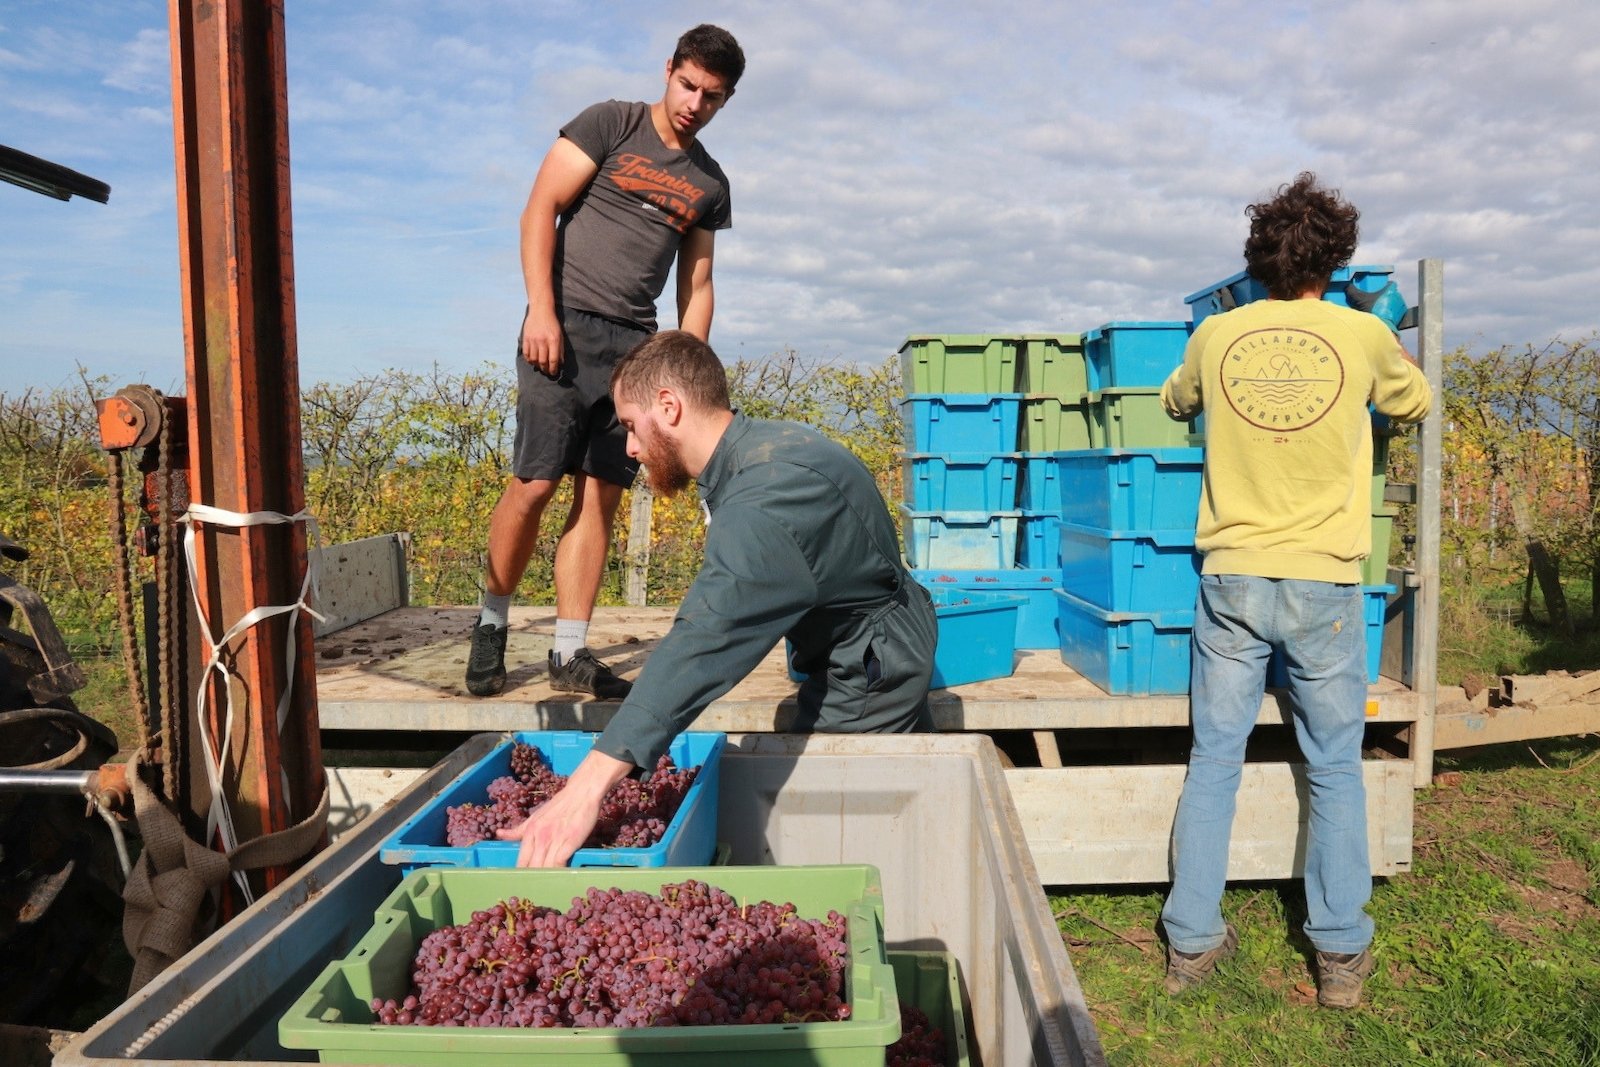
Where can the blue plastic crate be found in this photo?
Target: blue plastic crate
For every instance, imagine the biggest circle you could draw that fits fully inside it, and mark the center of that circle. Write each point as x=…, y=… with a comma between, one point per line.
x=1130, y=570
x=690, y=840
x=977, y=635
x=977, y=539
x=961, y=481
x=1377, y=602
x=1122, y=354
x=1127, y=488
x=1240, y=288
x=1036, y=615
x=1125, y=653
x=1040, y=485
x=1039, y=544
x=961, y=422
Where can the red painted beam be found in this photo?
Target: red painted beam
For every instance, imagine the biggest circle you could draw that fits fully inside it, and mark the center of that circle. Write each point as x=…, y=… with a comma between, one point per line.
x=230, y=113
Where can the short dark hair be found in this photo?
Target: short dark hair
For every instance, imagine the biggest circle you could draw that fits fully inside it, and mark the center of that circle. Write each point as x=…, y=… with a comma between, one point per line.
x=713, y=49
x=672, y=359
x=1300, y=237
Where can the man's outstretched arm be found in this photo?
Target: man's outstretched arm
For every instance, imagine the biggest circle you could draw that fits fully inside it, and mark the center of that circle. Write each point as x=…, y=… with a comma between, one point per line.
x=556, y=829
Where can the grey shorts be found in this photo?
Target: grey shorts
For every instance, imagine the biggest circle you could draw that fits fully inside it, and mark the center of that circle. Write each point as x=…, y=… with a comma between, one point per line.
x=568, y=422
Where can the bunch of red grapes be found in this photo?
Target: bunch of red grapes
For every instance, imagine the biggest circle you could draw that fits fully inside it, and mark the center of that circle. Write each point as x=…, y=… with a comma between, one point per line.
x=633, y=814
x=921, y=1043
x=691, y=956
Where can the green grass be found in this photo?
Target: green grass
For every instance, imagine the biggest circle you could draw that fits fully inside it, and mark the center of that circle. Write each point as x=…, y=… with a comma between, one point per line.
x=106, y=696
x=1482, y=636
x=1488, y=951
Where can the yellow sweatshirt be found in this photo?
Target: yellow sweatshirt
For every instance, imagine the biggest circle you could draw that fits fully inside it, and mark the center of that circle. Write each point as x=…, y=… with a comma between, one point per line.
x=1284, y=385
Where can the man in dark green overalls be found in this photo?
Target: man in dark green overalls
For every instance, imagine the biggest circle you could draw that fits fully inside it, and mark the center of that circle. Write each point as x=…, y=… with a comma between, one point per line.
x=800, y=545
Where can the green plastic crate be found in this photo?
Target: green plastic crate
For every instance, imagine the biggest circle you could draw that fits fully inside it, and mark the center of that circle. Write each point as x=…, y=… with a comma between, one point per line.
x=931, y=982
x=1380, y=452
x=1133, y=418
x=1375, y=568
x=1054, y=365
x=1051, y=424
x=959, y=363
x=334, y=1016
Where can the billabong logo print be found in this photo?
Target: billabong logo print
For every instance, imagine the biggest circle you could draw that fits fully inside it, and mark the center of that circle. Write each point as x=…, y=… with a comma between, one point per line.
x=671, y=194
x=1282, y=379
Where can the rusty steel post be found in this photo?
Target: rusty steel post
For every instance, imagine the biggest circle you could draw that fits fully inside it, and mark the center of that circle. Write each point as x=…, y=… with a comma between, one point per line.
x=230, y=116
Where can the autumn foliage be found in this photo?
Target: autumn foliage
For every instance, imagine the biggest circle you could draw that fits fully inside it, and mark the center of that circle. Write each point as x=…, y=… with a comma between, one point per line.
x=426, y=453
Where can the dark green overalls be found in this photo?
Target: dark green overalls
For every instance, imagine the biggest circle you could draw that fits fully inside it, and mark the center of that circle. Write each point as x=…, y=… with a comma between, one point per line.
x=800, y=545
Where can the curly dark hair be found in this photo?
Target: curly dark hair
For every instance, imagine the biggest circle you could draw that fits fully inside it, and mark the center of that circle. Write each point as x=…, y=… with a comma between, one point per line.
x=1300, y=237
x=713, y=49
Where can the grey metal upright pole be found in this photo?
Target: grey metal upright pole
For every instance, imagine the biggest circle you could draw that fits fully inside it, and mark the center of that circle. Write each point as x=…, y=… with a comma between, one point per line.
x=1430, y=441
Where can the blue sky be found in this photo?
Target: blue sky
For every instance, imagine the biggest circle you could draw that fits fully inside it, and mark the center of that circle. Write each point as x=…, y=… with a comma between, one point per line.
x=897, y=167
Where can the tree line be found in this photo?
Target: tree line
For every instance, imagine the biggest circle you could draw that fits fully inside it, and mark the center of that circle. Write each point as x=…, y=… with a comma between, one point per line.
x=426, y=452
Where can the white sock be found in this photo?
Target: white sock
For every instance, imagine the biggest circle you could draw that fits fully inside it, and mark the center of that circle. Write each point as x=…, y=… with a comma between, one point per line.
x=571, y=634
x=496, y=609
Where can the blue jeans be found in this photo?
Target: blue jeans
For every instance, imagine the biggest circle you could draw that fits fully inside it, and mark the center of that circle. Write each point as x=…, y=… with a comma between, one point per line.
x=1319, y=629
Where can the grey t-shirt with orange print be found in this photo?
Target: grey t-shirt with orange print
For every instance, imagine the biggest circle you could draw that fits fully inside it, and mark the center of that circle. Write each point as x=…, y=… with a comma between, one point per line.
x=617, y=242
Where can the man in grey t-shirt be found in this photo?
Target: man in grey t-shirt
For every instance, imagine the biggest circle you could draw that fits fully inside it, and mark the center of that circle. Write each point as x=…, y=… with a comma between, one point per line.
x=626, y=190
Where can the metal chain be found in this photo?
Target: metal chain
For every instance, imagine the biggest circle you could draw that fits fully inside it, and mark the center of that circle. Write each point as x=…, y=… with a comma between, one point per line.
x=171, y=728
x=125, y=620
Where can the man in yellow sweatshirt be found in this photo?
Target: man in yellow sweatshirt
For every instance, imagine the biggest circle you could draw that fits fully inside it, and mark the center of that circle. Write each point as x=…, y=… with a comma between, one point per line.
x=1284, y=524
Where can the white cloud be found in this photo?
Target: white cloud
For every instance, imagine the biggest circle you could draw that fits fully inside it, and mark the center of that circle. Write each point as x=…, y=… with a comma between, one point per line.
x=144, y=64
x=897, y=167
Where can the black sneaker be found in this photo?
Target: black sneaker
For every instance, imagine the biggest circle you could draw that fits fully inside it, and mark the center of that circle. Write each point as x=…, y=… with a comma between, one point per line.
x=585, y=674
x=486, y=663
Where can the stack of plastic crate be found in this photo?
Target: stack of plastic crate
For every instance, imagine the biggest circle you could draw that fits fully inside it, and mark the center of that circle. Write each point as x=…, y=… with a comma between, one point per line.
x=975, y=423
x=1127, y=505
x=1239, y=289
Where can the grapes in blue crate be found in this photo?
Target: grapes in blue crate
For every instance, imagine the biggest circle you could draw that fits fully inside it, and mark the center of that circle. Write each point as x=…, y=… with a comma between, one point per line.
x=633, y=814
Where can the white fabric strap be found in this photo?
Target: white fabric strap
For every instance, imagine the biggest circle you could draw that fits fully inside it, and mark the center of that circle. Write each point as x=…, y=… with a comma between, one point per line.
x=219, y=819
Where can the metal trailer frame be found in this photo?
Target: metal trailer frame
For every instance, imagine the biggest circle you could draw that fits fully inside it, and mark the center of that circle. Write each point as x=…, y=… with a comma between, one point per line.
x=1086, y=822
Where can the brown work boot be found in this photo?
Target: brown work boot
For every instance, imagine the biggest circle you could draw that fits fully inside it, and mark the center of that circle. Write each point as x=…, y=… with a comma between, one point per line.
x=1340, y=975
x=1186, y=969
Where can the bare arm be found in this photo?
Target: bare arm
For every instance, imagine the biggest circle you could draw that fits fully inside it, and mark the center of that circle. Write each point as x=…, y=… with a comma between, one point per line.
x=558, y=827
x=696, y=300
x=566, y=171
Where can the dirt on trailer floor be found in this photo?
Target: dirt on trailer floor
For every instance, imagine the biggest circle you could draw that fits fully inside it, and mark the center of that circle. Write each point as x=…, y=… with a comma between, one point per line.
x=417, y=651
x=423, y=650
